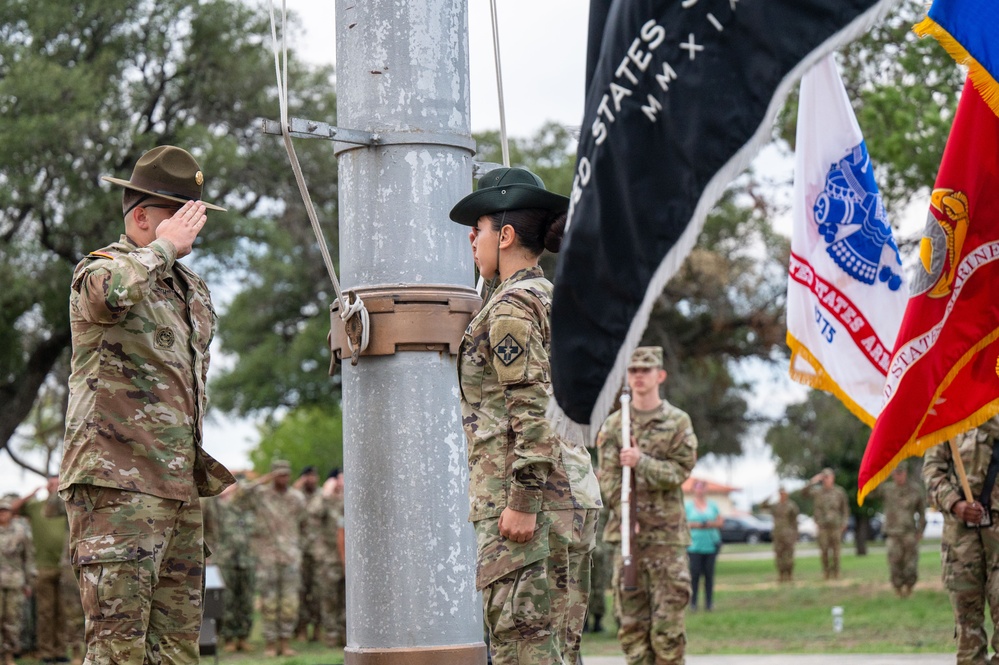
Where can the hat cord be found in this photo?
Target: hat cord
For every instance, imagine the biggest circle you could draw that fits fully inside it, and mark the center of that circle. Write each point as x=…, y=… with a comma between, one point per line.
x=348, y=308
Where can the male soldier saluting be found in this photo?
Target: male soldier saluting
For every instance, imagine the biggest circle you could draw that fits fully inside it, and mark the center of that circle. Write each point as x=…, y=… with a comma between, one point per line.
x=832, y=514
x=664, y=452
x=133, y=466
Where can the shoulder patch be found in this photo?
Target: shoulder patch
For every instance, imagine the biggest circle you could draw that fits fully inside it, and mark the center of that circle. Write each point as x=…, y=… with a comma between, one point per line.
x=509, y=339
x=103, y=255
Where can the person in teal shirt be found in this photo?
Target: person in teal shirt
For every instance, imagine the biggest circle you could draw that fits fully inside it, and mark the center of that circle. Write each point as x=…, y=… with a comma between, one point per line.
x=704, y=520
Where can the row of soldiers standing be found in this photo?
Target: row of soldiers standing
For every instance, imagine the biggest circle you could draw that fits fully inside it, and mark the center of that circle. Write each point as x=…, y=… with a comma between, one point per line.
x=286, y=543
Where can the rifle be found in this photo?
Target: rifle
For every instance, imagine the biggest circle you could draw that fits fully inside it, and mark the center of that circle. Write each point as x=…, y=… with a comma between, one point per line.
x=629, y=576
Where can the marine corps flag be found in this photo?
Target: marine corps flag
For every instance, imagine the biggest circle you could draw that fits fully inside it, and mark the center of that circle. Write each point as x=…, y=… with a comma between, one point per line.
x=679, y=95
x=944, y=373
x=845, y=291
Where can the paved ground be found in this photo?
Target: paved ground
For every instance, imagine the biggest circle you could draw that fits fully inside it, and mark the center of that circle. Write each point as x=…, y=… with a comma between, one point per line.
x=801, y=659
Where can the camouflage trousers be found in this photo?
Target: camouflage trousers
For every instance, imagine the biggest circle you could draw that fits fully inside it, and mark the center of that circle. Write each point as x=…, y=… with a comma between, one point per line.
x=600, y=574
x=970, y=561
x=139, y=561
x=651, y=618
x=534, y=594
x=309, y=610
x=278, y=585
x=784, y=556
x=60, y=615
x=11, y=613
x=903, y=559
x=332, y=593
x=237, y=618
x=830, y=540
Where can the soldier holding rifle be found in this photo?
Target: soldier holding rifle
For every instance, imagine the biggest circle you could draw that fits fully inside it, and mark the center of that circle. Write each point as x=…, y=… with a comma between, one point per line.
x=659, y=456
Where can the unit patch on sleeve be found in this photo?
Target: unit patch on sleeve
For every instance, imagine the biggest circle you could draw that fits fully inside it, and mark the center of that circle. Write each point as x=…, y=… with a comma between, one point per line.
x=509, y=339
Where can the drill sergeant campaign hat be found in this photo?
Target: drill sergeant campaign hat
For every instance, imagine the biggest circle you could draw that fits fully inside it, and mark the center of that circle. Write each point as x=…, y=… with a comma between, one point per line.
x=166, y=172
x=647, y=356
x=506, y=189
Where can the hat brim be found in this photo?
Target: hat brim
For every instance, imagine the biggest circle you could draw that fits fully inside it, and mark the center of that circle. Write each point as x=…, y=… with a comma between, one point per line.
x=505, y=197
x=178, y=199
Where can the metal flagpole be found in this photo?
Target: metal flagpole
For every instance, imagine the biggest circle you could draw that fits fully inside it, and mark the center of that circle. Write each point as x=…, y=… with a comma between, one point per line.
x=402, y=75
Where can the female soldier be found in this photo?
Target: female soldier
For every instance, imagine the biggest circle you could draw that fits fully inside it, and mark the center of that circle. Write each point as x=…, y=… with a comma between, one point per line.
x=533, y=494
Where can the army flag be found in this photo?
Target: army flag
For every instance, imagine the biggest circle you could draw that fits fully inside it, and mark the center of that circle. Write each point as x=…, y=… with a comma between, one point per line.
x=944, y=373
x=845, y=291
x=679, y=95
x=967, y=30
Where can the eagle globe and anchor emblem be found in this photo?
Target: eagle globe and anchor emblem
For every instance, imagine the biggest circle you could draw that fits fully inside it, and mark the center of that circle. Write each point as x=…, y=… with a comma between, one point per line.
x=852, y=220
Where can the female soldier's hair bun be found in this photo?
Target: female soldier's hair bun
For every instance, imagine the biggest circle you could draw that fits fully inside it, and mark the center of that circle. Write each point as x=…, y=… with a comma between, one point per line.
x=554, y=232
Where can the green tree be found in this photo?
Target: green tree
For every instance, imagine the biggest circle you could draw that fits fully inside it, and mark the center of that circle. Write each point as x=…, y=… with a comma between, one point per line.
x=85, y=88
x=309, y=435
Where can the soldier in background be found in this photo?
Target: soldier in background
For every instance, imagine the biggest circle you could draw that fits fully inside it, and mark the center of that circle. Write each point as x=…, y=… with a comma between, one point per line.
x=832, y=514
x=326, y=520
x=237, y=562
x=663, y=452
x=905, y=519
x=59, y=622
x=970, y=544
x=17, y=577
x=309, y=610
x=279, y=511
x=785, y=533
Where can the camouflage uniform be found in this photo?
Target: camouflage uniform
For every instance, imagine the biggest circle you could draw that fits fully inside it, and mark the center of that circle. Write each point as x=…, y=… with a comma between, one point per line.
x=905, y=519
x=238, y=563
x=832, y=512
x=133, y=466
x=17, y=574
x=652, y=617
x=534, y=593
x=326, y=521
x=600, y=574
x=969, y=555
x=57, y=595
x=785, y=536
x=277, y=544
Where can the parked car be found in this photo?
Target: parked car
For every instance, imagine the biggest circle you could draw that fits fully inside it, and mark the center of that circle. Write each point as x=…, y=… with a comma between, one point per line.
x=808, y=530
x=877, y=522
x=745, y=529
x=934, y=525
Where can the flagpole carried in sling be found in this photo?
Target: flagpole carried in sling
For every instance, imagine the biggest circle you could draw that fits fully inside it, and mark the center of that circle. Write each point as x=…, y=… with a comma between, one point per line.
x=629, y=576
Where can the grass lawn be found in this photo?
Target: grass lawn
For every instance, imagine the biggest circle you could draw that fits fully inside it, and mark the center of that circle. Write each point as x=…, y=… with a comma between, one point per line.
x=753, y=614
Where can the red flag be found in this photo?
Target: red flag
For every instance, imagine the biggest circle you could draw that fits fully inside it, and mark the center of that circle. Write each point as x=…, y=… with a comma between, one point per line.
x=944, y=374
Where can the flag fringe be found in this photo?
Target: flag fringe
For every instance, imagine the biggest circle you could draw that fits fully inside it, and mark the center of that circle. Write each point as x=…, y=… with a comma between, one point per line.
x=919, y=446
x=822, y=381
x=712, y=192
x=983, y=81
x=566, y=428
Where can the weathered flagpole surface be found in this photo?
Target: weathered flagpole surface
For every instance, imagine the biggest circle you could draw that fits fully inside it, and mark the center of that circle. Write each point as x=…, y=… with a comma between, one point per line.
x=402, y=74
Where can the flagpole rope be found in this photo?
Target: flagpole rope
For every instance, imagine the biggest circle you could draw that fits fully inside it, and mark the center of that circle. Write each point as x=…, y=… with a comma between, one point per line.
x=348, y=308
x=504, y=143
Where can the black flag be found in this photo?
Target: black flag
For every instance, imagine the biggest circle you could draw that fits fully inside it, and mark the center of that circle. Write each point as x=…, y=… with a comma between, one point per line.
x=679, y=95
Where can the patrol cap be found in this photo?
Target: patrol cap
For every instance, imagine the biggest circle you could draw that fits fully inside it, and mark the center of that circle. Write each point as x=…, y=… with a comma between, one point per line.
x=506, y=188
x=281, y=466
x=828, y=472
x=167, y=172
x=308, y=469
x=647, y=356
x=6, y=503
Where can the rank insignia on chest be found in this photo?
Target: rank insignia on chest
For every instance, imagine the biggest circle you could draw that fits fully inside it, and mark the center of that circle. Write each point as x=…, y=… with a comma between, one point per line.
x=508, y=350
x=164, y=337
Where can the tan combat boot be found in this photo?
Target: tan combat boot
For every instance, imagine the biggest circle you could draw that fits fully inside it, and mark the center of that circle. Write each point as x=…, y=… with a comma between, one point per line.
x=284, y=649
x=243, y=645
x=271, y=649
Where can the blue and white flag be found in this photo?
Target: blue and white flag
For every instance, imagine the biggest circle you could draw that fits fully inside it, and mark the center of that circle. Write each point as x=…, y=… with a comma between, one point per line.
x=846, y=293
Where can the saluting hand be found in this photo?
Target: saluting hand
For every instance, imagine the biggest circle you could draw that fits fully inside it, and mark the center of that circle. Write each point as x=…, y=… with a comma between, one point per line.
x=183, y=227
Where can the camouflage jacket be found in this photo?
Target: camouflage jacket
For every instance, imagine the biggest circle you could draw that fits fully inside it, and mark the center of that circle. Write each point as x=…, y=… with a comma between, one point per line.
x=669, y=452
x=17, y=555
x=785, y=519
x=905, y=508
x=325, y=521
x=278, y=529
x=515, y=458
x=141, y=326
x=831, y=507
x=942, y=485
x=236, y=528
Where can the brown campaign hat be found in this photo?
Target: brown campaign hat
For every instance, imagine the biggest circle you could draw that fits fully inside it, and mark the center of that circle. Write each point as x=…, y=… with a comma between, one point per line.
x=167, y=172
x=503, y=189
x=647, y=356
